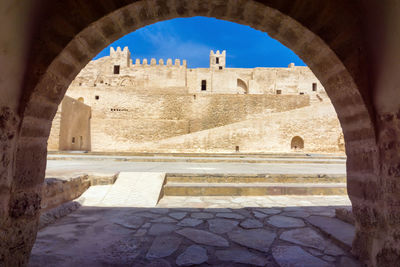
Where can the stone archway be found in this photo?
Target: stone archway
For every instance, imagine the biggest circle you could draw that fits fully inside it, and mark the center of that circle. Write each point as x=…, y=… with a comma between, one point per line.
x=75, y=31
x=297, y=143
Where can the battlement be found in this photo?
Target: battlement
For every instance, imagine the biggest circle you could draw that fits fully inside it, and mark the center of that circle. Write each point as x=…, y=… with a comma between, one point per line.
x=119, y=52
x=217, y=53
x=153, y=62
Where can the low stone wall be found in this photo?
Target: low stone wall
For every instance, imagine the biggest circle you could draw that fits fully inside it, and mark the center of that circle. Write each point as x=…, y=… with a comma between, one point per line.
x=57, y=191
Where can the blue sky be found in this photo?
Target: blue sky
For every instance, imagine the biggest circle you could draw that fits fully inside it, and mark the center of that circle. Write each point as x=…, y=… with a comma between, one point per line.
x=193, y=38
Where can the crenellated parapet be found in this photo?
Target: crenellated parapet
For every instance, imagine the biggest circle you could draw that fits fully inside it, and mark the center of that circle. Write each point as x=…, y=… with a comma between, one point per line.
x=153, y=62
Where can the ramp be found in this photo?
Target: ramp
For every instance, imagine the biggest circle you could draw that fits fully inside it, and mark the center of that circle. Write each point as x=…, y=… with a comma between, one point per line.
x=135, y=189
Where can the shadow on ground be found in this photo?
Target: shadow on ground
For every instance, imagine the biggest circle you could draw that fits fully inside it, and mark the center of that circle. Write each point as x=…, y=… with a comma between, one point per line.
x=253, y=236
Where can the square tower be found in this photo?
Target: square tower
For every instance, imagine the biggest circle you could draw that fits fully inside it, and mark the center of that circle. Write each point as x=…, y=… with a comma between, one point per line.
x=217, y=60
x=120, y=59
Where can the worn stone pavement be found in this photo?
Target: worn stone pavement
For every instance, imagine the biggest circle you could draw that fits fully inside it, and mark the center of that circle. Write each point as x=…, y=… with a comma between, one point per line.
x=203, y=231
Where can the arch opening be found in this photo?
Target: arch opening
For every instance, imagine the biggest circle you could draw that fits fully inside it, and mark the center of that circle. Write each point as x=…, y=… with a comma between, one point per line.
x=297, y=143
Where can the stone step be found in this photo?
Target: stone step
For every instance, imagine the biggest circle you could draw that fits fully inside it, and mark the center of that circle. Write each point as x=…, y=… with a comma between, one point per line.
x=275, y=160
x=256, y=178
x=253, y=189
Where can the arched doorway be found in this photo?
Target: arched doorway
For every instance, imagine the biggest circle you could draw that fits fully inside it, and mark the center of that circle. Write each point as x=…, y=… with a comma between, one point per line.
x=297, y=143
x=74, y=32
x=242, y=87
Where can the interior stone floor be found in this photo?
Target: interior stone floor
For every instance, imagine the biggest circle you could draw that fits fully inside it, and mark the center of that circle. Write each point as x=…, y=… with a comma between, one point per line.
x=201, y=231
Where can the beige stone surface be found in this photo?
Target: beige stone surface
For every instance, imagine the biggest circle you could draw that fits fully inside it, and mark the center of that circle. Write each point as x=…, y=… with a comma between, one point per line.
x=135, y=189
x=162, y=108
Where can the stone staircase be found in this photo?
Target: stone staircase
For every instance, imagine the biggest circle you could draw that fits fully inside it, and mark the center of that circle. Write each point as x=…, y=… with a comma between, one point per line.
x=253, y=185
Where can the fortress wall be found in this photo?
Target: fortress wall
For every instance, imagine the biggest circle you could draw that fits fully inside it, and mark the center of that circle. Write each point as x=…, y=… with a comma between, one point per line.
x=317, y=125
x=122, y=118
x=258, y=80
x=146, y=101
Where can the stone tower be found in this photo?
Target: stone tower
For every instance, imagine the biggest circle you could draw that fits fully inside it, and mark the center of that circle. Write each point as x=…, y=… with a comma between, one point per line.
x=120, y=59
x=217, y=60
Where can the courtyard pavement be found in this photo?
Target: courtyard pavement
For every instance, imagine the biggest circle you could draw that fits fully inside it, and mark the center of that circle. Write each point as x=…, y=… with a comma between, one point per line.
x=201, y=231
x=57, y=167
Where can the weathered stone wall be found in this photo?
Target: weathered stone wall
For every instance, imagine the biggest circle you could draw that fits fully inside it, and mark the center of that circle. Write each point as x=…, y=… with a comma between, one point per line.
x=150, y=102
x=71, y=126
x=75, y=125
x=122, y=119
x=58, y=191
x=269, y=132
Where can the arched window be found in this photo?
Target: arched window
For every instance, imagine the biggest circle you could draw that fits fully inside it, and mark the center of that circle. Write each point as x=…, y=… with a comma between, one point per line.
x=242, y=87
x=297, y=143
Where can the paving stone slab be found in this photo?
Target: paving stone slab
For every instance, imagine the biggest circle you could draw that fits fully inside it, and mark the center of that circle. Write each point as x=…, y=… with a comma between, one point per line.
x=297, y=214
x=295, y=256
x=221, y=226
x=241, y=256
x=161, y=229
x=159, y=210
x=259, y=215
x=304, y=237
x=163, y=220
x=339, y=230
x=285, y=222
x=251, y=224
x=259, y=239
x=177, y=215
x=202, y=215
x=192, y=255
x=230, y=215
x=190, y=222
x=268, y=211
x=163, y=246
x=203, y=237
x=133, y=223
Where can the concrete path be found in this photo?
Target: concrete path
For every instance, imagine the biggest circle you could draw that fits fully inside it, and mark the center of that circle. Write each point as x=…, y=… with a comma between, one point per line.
x=324, y=159
x=56, y=167
x=206, y=231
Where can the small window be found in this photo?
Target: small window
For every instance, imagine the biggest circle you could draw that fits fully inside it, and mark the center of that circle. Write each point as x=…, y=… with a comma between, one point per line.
x=217, y=60
x=237, y=148
x=301, y=93
x=73, y=140
x=220, y=67
x=203, y=85
x=278, y=92
x=314, y=87
x=97, y=97
x=80, y=84
x=116, y=69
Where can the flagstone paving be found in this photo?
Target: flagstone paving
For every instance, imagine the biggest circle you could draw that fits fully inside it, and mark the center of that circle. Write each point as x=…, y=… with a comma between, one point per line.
x=184, y=231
